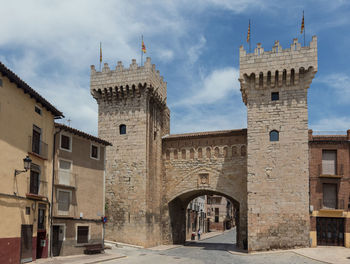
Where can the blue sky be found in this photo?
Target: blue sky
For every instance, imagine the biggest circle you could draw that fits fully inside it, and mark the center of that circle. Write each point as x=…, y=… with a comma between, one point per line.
x=195, y=45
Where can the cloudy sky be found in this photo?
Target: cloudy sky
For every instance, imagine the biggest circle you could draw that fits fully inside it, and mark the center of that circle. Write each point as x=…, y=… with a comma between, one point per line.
x=194, y=44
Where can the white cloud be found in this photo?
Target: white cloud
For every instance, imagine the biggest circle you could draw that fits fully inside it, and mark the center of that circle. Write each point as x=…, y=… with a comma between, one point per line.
x=340, y=82
x=332, y=123
x=215, y=87
x=195, y=51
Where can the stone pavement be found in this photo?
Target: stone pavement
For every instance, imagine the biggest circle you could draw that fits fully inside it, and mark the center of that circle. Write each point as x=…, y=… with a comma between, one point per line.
x=82, y=259
x=336, y=255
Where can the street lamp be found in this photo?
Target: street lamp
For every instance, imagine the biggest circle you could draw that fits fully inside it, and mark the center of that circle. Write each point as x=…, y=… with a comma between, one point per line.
x=26, y=163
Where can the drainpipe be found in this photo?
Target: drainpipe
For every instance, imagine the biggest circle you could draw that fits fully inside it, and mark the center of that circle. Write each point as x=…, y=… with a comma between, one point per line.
x=52, y=187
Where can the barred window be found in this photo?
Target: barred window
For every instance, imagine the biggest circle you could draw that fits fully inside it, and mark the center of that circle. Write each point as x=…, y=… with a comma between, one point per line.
x=83, y=234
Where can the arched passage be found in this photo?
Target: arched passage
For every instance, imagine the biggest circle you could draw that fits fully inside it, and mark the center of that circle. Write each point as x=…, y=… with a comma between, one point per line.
x=177, y=214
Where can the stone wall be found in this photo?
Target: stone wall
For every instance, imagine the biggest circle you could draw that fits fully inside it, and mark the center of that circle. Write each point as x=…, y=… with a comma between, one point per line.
x=198, y=164
x=136, y=98
x=278, y=183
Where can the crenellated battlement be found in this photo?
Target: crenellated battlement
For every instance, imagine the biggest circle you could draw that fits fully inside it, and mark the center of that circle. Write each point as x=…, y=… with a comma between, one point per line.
x=124, y=81
x=279, y=67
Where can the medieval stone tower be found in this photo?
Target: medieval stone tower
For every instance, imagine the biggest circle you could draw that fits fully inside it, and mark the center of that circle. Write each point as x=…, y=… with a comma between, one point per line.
x=274, y=88
x=133, y=116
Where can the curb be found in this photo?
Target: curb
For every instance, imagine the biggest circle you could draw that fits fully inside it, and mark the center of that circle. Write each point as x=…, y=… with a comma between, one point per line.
x=104, y=260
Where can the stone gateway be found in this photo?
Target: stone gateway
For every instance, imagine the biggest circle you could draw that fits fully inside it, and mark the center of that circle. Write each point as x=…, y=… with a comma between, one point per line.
x=151, y=176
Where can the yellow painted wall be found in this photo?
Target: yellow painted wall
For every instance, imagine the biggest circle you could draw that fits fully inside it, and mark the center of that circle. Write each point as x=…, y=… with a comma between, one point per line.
x=17, y=117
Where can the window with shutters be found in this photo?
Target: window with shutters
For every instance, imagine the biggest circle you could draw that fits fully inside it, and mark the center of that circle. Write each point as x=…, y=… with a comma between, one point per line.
x=82, y=234
x=64, y=172
x=63, y=198
x=95, y=151
x=66, y=142
x=36, y=140
x=34, y=179
x=330, y=195
x=329, y=162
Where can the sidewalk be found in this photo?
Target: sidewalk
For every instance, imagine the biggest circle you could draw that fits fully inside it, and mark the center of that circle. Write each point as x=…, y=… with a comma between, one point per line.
x=80, y=259
x=336, y=255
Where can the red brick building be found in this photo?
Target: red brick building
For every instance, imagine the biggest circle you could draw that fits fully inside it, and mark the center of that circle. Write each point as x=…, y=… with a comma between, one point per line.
x=330, y=189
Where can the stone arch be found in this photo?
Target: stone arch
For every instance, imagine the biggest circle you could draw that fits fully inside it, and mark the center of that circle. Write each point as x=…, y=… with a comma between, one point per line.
x=216, y=152
x=183, y=154
x=175, y=154
x=191, y=153
x=200, y=153
x=177, y=213
x=225, y=152
x=234, y=151
x=208, y=153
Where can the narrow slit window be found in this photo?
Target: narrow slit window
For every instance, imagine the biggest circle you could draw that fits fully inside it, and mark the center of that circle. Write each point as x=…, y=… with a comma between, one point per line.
x=122, y=129
x=274, y=135
x=275, y=96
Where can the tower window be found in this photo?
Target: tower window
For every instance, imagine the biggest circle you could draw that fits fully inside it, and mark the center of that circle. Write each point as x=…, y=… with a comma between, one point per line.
x=275, y=96
x=122, y=129
x=0, y=82
x=274, y=135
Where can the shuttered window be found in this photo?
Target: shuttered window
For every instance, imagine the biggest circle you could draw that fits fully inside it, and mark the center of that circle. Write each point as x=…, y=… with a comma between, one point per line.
x=63, y=201
x=329, y=195
x=83, y=234
x=329, y=162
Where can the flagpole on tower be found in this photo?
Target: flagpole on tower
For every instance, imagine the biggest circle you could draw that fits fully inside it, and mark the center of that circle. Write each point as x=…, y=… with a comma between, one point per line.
x=141, y=50
x=100, y=55
x=304, y=28
x=248, y=36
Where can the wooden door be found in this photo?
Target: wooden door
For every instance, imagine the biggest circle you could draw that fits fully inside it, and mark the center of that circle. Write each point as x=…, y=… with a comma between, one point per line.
x=26, y=243
x=330, y=231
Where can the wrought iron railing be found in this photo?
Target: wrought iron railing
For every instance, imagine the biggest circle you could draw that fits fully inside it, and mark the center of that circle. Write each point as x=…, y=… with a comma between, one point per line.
x=38, y=147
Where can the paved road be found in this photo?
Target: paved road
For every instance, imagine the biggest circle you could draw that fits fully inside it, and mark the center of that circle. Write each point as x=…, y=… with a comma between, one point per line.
x=208, y=251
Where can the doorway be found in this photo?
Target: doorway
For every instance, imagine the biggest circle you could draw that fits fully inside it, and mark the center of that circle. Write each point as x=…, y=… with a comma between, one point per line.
x=330, y=231
x=26, y=243
x=57, y=239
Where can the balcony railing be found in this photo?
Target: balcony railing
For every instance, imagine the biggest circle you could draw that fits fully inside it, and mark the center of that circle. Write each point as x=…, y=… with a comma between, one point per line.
x=65, y=178
x=37, y=189
x=38, y=147
x=70, y=213
x=338, y=173
x=332, y=204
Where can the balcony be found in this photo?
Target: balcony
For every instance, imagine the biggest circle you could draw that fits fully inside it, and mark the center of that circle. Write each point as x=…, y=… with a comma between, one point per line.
x=339, y=173
x=331, y=204
x=38, y=148
x=37, y=190
x=65, y=179
x=70, y=213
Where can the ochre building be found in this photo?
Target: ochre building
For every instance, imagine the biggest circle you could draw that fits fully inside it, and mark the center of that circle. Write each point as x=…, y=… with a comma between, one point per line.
x=27, y=129
x=263, y=170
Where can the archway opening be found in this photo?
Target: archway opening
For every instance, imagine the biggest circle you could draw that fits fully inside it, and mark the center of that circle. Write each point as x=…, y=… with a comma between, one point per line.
x=210, y=213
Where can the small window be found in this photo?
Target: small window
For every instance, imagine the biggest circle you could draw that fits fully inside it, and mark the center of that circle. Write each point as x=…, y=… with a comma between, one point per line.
x=27, y=210
x=275, y=96
x=329, y=162
x=94, y=152
x=122, y=129
x=37, y=110
x=66, y=142
x=0, y=83
x=274, y=135
x=83, y=234
x=64, y=198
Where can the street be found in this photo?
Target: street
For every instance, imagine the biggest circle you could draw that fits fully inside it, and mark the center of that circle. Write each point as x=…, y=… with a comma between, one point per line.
x=208, y=251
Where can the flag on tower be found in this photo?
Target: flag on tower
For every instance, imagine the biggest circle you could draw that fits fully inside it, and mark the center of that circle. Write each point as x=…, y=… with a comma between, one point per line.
x=248, y=34
x=143, y=46
x=302, y=25
x=100, y=52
